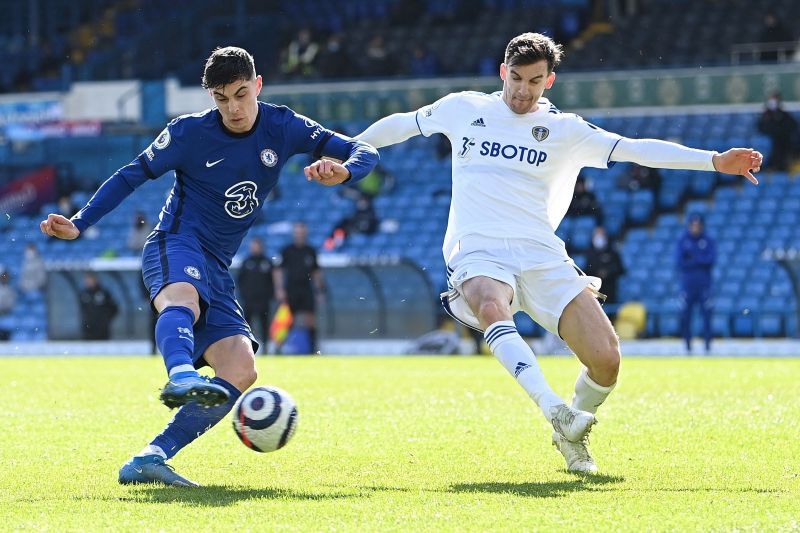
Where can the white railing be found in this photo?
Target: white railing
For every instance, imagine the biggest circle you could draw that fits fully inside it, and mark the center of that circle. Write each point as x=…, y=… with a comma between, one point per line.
x=785, y=51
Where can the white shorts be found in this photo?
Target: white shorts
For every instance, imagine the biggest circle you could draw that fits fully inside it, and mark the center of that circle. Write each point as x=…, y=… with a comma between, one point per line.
x=544, y=279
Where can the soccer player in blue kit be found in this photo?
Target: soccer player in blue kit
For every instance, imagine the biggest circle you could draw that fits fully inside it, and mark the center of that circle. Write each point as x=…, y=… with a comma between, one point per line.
x=226, y=160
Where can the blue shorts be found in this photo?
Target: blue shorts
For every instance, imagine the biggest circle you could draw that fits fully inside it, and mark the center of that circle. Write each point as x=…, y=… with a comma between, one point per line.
x=175, y=257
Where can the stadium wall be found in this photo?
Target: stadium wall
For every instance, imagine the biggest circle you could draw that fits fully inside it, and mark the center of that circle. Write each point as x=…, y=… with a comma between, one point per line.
x=153, y=102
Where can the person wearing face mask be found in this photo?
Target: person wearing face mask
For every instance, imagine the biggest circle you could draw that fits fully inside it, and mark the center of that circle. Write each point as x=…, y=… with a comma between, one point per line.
x=334, y=61
x=781, y=128
x=516, y=157
x=137, y=235
x=33, y=274
x=695, y=256
x=604, y=262
x=8, y=299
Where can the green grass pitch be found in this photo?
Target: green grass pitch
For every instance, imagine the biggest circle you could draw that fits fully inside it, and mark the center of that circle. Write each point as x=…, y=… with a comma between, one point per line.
x=444, y=444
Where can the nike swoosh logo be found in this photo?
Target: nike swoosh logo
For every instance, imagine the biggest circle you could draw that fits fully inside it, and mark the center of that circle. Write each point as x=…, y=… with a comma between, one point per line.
x=139, y=470
x=209, y=165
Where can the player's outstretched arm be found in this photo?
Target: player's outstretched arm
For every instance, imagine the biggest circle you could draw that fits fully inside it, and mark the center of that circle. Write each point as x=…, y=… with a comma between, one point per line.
x=391, y=130
x=655, y=153
x=60, y=227
x=343, y=159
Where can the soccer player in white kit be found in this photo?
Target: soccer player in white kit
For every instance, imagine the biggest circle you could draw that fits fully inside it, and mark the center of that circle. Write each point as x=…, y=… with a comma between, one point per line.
x=516, y=158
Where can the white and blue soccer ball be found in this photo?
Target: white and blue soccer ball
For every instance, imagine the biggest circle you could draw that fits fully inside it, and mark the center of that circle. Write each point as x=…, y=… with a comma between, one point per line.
x=265, y=418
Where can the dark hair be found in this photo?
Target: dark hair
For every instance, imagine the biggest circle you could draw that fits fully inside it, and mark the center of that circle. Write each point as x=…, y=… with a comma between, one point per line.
x=227, y=65
x=529, y=48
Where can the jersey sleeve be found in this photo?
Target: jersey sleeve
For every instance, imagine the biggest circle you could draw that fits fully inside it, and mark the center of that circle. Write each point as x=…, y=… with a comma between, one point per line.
x=162, y=155
x=438, y=116
x=304, y=135
x=593, y=145
x=165, y=152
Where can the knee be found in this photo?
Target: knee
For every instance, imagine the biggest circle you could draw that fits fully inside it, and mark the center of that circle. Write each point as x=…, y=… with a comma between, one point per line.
x=179, y=295
x=194, y=307
x=249, y=377
x=242, y=378
x=605, y=364
x=492, y=310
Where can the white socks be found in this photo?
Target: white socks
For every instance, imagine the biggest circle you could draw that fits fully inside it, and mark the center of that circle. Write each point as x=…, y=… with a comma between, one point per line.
x=152, y=450
x=588, y=394
x=517, y=357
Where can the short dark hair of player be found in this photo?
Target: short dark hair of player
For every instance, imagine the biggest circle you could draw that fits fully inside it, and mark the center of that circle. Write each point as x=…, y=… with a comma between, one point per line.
x=227, y=65
x=529, y=48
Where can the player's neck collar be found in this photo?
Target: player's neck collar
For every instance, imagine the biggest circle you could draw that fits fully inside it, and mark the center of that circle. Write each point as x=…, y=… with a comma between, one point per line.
x=234, y=134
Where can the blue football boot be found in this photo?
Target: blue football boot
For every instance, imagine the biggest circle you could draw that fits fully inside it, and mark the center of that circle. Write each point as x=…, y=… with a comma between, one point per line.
x=181, y=390
x=152, y=469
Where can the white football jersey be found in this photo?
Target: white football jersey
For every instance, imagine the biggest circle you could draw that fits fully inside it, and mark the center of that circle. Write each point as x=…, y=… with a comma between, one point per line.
x=513, y=175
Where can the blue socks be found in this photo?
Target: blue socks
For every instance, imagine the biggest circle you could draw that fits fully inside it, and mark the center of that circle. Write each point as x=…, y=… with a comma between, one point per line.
x=191, y=421
x=175, y=340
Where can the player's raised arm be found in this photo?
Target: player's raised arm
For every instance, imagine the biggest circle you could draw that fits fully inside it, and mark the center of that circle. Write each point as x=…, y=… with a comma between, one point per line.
x=390, y=130
x=434, y=118
x=110, y=194
x=154, y=161
x=663, y=154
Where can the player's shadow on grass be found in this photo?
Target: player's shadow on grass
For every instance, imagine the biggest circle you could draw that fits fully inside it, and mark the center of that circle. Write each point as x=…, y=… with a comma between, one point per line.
x=220, y=496
x=543, y=489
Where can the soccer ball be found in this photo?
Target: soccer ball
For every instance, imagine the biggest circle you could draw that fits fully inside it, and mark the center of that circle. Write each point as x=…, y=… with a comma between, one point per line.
x=265, y=418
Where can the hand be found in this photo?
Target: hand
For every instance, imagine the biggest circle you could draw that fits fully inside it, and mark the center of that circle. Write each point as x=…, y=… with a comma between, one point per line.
x=741, y=161
x=60, y=227
x=326, y=172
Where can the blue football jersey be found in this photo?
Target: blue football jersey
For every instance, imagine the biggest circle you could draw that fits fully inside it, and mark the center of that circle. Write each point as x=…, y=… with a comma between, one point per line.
x=222, y=179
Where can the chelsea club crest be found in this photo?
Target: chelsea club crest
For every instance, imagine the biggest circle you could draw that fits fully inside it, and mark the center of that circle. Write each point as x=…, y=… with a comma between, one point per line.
x=269, y=157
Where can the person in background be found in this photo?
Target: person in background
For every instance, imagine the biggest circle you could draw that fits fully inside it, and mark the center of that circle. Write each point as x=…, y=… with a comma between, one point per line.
x=640, y=178
x=363, y=220
x=33, y=275
x=377, y=61
x=584, y=202
x=8, y=299
x=66, y=206
x=301, y=55
x=696, y=253
x=423, y=63
x=604, y=262
x=98, y=309
x=773, y=32
x=333, y=60
x=299, y=281
x=781, y=128
x=256, y=286
x=137, y=235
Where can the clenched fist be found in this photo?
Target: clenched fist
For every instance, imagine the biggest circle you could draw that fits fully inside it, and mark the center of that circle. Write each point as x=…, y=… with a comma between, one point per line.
x=60, y=227
x=327, y=172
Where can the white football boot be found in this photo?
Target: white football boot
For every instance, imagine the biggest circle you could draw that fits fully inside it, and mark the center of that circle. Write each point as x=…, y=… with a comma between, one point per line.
x=576, y=454
x=572, y=424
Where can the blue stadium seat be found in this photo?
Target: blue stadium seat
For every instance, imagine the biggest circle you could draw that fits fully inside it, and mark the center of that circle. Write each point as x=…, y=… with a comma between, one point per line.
x=770, y=325
x=669, y=324
x=743, y=325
